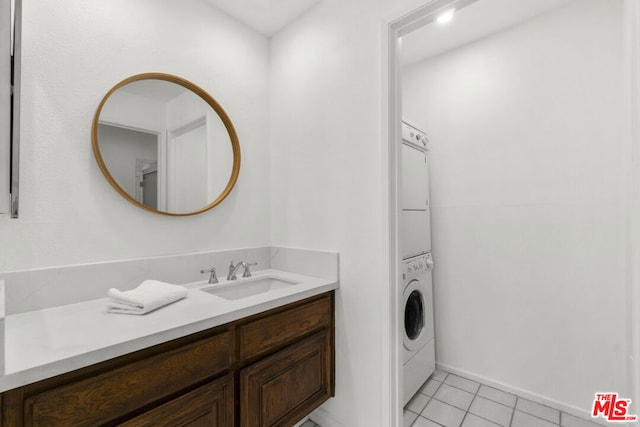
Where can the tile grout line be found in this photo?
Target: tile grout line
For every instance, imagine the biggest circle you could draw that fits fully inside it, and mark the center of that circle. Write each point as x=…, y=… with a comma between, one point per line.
x=487, y=419
x=429, y=401
x=513, y=413
x=538, y=417
x=490, y=400
x=500, y=403
x=470, y=403
x=425, y=395
x=433, y=396
x=513, y=408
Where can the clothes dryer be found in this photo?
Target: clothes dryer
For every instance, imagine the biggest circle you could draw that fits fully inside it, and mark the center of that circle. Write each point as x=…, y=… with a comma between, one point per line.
x=415, y=216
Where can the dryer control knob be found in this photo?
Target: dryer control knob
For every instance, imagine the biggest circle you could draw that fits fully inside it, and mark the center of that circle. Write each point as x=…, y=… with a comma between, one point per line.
x=429, y=262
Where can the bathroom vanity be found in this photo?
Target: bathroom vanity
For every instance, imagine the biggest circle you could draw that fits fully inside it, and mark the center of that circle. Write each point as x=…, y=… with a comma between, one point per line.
x=270, y=367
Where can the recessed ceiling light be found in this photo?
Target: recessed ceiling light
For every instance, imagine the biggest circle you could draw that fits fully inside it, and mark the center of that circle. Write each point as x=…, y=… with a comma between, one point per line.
x=446, y=16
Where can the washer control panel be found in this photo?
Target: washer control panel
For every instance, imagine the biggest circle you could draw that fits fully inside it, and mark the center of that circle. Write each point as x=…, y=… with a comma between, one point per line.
x=417, y=266
x=414, y=136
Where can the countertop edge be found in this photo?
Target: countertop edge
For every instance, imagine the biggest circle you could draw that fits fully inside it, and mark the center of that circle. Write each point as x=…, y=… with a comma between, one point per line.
x=12, y=380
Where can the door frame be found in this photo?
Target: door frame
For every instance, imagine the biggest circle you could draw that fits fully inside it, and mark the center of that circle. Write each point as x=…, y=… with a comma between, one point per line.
x=632, y=107
x=161, y=145
x=404, y=20
x=143, y=166
x=169, y=154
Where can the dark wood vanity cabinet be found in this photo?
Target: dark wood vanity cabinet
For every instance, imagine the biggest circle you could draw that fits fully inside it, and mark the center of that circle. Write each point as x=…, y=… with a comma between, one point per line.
x=281, y=388
x=270, y=369
x=113, y=391
x=211, y=405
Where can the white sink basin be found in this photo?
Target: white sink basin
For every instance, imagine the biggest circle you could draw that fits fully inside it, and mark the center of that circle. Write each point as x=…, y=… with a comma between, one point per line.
x=248, y=287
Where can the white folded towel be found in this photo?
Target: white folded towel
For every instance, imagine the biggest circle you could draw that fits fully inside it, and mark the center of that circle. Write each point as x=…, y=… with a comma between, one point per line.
x=148, y=296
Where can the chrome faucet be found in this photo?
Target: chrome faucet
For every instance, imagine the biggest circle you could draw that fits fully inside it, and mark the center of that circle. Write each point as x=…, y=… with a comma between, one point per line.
x=234, y=268
x=213, y=278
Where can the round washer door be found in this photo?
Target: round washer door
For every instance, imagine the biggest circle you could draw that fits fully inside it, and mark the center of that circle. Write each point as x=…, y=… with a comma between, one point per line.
x=414, y=316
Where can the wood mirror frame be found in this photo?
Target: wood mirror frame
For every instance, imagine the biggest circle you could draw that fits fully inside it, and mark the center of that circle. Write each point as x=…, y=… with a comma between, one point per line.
x=235, y=145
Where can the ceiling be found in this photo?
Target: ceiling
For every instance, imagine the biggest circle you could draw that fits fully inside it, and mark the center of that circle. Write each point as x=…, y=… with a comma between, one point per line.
x=265, y=16
x=471, y=23
x=156, y=90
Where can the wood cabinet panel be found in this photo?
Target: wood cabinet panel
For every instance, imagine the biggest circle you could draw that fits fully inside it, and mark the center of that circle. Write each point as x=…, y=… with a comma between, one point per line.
x=101, y=398
x=262, y=335
x=211, y=405
x=198, y=380
x=282, y=388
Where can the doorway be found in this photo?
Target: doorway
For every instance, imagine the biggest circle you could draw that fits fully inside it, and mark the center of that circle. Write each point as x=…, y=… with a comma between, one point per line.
x=147, y=182
x=627, y=282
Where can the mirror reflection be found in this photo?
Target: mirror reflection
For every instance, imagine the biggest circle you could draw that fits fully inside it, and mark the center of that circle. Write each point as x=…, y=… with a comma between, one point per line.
x=165, y=146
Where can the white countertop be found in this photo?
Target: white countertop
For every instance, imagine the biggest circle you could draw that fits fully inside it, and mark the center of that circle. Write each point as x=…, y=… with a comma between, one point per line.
x=44, y=343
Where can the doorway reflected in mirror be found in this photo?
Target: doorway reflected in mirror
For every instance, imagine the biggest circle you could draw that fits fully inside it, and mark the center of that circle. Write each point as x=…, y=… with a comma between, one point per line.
x=166, y=145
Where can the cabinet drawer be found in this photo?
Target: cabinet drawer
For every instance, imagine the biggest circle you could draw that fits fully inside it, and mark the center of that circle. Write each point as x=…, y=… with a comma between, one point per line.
x=284, y=387
x=104, y=397
x=210, y=405
x=267, y=333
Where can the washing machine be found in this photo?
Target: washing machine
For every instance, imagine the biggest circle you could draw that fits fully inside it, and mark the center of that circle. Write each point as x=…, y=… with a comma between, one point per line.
x=419, y=358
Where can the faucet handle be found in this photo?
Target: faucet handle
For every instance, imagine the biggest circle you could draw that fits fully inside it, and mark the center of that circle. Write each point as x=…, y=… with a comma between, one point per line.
x=213, y=278
x=246, y=265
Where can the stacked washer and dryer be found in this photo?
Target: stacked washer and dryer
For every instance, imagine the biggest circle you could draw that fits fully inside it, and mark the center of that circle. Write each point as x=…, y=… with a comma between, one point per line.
x=417, y=263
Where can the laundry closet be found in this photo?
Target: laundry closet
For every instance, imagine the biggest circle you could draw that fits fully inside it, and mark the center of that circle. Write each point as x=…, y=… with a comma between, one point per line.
x=524, y=106
x=416, y=293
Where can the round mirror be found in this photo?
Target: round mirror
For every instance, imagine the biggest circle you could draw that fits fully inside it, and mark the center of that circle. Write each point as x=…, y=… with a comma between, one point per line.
x=165, y=144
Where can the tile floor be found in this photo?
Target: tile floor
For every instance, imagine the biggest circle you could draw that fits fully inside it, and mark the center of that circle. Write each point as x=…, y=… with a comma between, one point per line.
x=448, y=400
x=309, y=423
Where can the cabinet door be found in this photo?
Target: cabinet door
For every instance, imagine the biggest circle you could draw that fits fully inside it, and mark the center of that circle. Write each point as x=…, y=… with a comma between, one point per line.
x=281, y=389
x=261, y=336
x=208, y=406
x=115, y=393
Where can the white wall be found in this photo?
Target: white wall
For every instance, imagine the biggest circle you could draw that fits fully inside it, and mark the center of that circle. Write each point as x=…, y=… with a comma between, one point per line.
x=326, y=138
x=325, y=81
x=327, y=180
x=184, y=109
x=528, y=175
x=135, y=111
x=73, y=52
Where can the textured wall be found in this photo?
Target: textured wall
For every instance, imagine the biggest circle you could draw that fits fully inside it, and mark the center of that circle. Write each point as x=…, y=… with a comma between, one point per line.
x=326, y=109
x=73, y=52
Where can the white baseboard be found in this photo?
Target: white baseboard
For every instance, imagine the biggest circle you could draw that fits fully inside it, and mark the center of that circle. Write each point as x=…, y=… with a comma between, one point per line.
x=543, y=400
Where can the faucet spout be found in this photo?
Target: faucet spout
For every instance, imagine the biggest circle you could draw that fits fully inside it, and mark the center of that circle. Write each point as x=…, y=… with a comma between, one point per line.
x=233, y=269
